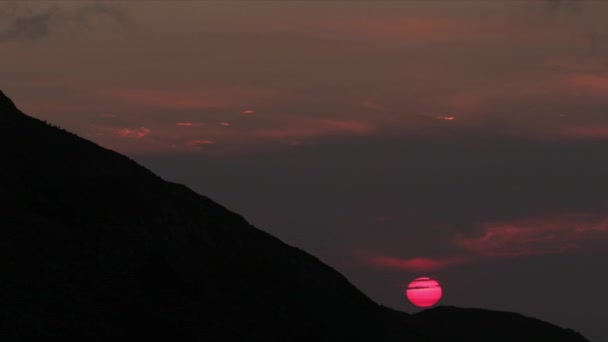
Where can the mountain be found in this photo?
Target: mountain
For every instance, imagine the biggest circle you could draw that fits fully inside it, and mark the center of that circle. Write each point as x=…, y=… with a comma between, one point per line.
x=94, y=247
x=444, y=322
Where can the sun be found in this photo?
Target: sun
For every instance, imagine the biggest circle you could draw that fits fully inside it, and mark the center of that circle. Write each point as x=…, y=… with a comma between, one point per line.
x=424, y=292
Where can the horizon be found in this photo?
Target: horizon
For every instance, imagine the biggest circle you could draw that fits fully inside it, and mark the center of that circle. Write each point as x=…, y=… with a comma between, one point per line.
x=464, y=141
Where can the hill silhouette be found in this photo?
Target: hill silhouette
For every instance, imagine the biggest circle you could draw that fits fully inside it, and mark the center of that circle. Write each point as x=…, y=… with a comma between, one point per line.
x=94, y=247
x=444, y=322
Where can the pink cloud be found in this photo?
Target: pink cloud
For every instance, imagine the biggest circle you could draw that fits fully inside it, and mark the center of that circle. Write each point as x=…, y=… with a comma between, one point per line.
x=590, y=84
x=265, y=132
x=136, y=133
x=417, y=264
x=563, y=234
x=446, y=118
x=537, y=236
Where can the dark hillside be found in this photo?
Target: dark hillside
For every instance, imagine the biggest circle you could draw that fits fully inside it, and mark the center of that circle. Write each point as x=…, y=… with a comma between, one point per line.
x=442, y=323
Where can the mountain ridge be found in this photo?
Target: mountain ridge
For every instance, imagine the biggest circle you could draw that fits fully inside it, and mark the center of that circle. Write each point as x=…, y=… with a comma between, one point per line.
x=5, y=101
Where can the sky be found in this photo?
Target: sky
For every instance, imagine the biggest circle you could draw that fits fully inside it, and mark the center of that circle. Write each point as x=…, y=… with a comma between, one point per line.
x=466, y=141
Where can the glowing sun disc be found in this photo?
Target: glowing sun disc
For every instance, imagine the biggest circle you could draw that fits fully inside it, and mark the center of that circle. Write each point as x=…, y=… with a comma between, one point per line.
x=424, y=292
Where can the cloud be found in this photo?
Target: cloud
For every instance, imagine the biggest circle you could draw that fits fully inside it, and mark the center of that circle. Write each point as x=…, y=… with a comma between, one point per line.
x=554, y=7
x=27, y=28
x=595, y=85
x=417, y=264
x=446, y=118
x=572, y=233
x=198, y=144
x=31, y=21
x=136, y=133
x=537, y=236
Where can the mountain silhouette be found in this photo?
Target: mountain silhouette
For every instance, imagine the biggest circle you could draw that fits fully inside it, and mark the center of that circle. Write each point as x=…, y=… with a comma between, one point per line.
x=444, y=322
x=94, y=247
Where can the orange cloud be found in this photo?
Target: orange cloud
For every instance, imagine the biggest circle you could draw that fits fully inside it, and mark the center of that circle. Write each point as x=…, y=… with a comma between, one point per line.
x=136, y=133
x=537, y=236
x=185, y=124
x=417, y=264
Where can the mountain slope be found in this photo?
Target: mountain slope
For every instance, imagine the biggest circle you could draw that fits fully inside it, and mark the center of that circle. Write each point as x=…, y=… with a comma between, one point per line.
x=94, y=247
x=444, y=322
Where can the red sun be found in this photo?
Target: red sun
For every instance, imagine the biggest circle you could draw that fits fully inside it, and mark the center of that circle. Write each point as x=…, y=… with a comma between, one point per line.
x=424, y=292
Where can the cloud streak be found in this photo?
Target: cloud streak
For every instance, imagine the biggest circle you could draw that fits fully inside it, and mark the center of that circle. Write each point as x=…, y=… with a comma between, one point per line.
x=417, y=264
x=537, y=236
x=198, y=144
x=135, y=133
x=518, y=238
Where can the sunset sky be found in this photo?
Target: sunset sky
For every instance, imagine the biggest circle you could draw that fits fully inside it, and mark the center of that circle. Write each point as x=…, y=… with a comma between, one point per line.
x=466, y=141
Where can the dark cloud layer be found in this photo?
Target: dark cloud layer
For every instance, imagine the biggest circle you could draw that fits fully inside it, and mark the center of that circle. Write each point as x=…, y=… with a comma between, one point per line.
x=31, y=21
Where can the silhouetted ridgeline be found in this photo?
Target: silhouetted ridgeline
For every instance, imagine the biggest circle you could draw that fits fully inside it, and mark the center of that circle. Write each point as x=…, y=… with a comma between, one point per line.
x=94, y=247
x=441, y=323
